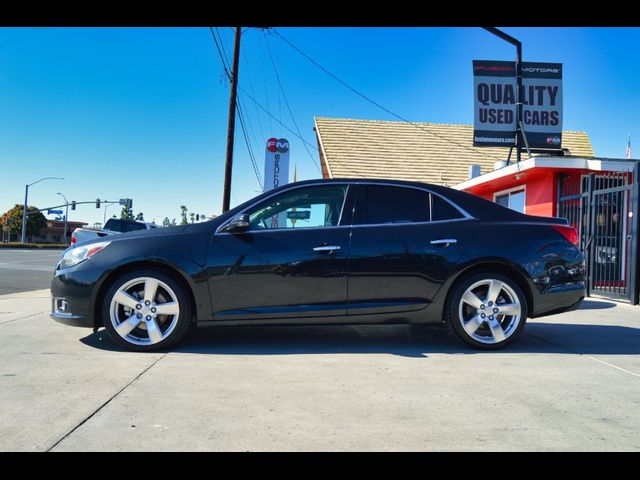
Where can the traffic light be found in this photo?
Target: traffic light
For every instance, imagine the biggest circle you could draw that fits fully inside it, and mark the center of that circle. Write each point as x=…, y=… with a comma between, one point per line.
x=129, y=203
x=197, y=217
x=73, y=205
x=97, y=203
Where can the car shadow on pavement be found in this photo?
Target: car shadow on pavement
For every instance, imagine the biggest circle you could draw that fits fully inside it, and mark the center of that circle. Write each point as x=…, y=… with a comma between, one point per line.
x=591, y=305
x=403, y=340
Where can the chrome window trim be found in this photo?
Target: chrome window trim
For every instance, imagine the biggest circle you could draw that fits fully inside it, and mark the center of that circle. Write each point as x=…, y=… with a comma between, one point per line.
x=405, y=224
x=466, y=215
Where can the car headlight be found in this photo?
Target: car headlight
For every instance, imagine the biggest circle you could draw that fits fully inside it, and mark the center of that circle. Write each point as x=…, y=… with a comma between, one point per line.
x=79, y=254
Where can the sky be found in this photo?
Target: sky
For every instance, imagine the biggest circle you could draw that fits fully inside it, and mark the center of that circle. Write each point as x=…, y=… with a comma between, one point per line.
x=142, y=112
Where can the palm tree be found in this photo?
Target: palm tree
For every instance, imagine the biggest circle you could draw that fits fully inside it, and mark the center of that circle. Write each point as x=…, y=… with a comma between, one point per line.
x=183, y=213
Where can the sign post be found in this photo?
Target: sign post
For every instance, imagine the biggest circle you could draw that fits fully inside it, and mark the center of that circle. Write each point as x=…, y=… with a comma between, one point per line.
x=276, y=172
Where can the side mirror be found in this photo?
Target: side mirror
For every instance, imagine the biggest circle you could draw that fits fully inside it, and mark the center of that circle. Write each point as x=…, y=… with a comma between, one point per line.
x=238, y=225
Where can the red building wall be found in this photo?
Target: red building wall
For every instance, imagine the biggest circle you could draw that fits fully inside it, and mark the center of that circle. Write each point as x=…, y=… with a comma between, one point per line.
x=541, y=196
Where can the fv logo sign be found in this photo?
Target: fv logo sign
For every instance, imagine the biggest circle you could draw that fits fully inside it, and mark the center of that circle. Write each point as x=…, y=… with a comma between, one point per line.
x=280, y=145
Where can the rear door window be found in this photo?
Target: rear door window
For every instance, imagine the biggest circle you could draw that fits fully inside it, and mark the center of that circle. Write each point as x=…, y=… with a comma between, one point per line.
x=382, y=204
x=387, y=204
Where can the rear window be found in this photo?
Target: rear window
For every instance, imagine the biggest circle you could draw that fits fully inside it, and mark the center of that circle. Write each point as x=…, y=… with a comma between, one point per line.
x=443, y=210
x=114, y=225
x=133, y=226
x=123, y=226
x=388, y=204
x=385, y=204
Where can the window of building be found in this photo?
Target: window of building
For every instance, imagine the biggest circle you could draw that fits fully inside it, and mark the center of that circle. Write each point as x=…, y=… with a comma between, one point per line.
x=513, y=199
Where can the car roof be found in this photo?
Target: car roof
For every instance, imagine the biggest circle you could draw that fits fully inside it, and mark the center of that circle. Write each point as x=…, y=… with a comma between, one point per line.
x=477, y=207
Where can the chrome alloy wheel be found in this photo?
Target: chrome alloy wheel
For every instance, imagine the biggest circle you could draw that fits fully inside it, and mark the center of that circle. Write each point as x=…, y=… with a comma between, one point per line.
x=490, y=311
x=144, y=311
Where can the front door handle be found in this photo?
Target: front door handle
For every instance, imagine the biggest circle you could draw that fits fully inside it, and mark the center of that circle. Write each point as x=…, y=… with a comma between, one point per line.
x=326, y=248
x=444, y=241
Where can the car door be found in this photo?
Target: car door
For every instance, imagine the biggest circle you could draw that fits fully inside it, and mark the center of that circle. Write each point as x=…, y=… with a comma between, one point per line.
x=405, y=242
x=291, y=262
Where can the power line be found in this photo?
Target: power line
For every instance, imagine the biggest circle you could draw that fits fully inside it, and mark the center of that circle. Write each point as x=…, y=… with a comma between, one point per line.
x=246, y=140
x=263, y=137
x=274, y=117
x=224, y=49
x=238, y=109
x=264, y=83
x=244, y=92
x=270, y=115
x=373, y=102
x=289, y=107
x=224, y=64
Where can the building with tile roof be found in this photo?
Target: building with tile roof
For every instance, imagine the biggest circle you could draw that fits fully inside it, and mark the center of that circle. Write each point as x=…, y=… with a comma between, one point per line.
x=427, y=152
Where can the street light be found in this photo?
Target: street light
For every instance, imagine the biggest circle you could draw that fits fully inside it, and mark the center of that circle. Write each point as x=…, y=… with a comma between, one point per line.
x=66, y=215
x=104, y=217
x=24, y=211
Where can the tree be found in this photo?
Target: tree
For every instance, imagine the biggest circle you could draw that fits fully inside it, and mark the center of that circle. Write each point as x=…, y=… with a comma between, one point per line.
x=126, y=213
x=183, y=213
x=192, y=216
x=166, y=222
x=140, y=217
x=173, y=222
x=12, y=221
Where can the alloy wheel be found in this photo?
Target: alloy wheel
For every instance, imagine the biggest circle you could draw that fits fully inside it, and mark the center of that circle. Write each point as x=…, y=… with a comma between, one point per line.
x=490, y=311
x=144, y=311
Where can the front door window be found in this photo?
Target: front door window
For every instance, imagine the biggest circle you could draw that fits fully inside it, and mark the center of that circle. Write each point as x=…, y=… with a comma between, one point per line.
x=317, y=206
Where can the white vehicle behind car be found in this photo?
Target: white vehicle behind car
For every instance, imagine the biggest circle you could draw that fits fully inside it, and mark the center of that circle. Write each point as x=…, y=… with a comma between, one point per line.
x=112, y=227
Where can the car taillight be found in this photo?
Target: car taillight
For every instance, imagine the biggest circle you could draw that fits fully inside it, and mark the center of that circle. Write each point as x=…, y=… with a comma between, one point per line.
x=570, y=233
x=73, y=240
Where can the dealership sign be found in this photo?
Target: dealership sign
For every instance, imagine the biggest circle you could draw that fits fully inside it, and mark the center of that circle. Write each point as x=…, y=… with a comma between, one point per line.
x=495, y=94
x=276, y=172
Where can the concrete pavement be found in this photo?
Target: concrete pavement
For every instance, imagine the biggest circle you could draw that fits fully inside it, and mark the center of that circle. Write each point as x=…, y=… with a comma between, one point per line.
x=572, y=382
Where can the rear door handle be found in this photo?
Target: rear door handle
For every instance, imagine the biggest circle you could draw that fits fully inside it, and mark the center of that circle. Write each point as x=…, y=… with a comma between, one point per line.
x=326, y=248
x=444, y=241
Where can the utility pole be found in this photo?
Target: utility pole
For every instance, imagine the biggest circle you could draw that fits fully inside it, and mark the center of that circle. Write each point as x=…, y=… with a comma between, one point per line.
x=518, y=44
x=232, y=122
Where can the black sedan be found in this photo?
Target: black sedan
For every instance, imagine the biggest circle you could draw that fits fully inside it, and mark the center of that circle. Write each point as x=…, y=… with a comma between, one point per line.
x=328, y=252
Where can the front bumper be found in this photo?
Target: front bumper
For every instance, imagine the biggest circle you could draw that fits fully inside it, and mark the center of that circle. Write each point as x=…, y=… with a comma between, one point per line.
x=77, y=287
x=72, y=320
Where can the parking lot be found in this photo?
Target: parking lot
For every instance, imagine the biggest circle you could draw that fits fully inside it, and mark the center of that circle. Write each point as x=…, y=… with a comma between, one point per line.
x=571, y=382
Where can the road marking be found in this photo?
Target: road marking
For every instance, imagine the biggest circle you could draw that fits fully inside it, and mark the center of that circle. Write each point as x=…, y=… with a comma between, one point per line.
x=22, y=318
x=583, y=355
x=611, y=365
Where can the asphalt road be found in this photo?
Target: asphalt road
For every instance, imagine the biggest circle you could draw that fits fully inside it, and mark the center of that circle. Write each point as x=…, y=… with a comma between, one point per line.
x=23, y=270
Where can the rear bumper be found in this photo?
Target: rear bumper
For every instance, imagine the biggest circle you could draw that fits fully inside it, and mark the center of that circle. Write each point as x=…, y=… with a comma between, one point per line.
x=558, y=300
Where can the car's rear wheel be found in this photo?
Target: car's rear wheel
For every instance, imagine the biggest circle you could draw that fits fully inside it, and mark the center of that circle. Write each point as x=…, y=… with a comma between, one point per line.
x=146, y=310
x=487, y=310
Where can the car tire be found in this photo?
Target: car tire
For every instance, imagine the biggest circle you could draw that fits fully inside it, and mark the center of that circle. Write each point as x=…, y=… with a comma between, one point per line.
x=146, y=310
x=486, y=310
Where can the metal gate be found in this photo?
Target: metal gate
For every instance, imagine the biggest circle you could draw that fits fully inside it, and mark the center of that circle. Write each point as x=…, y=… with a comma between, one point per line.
x=603, y=207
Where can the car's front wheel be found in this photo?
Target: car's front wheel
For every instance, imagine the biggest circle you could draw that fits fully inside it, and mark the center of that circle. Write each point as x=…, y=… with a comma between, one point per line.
x=146, y=310
x=487, y=310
